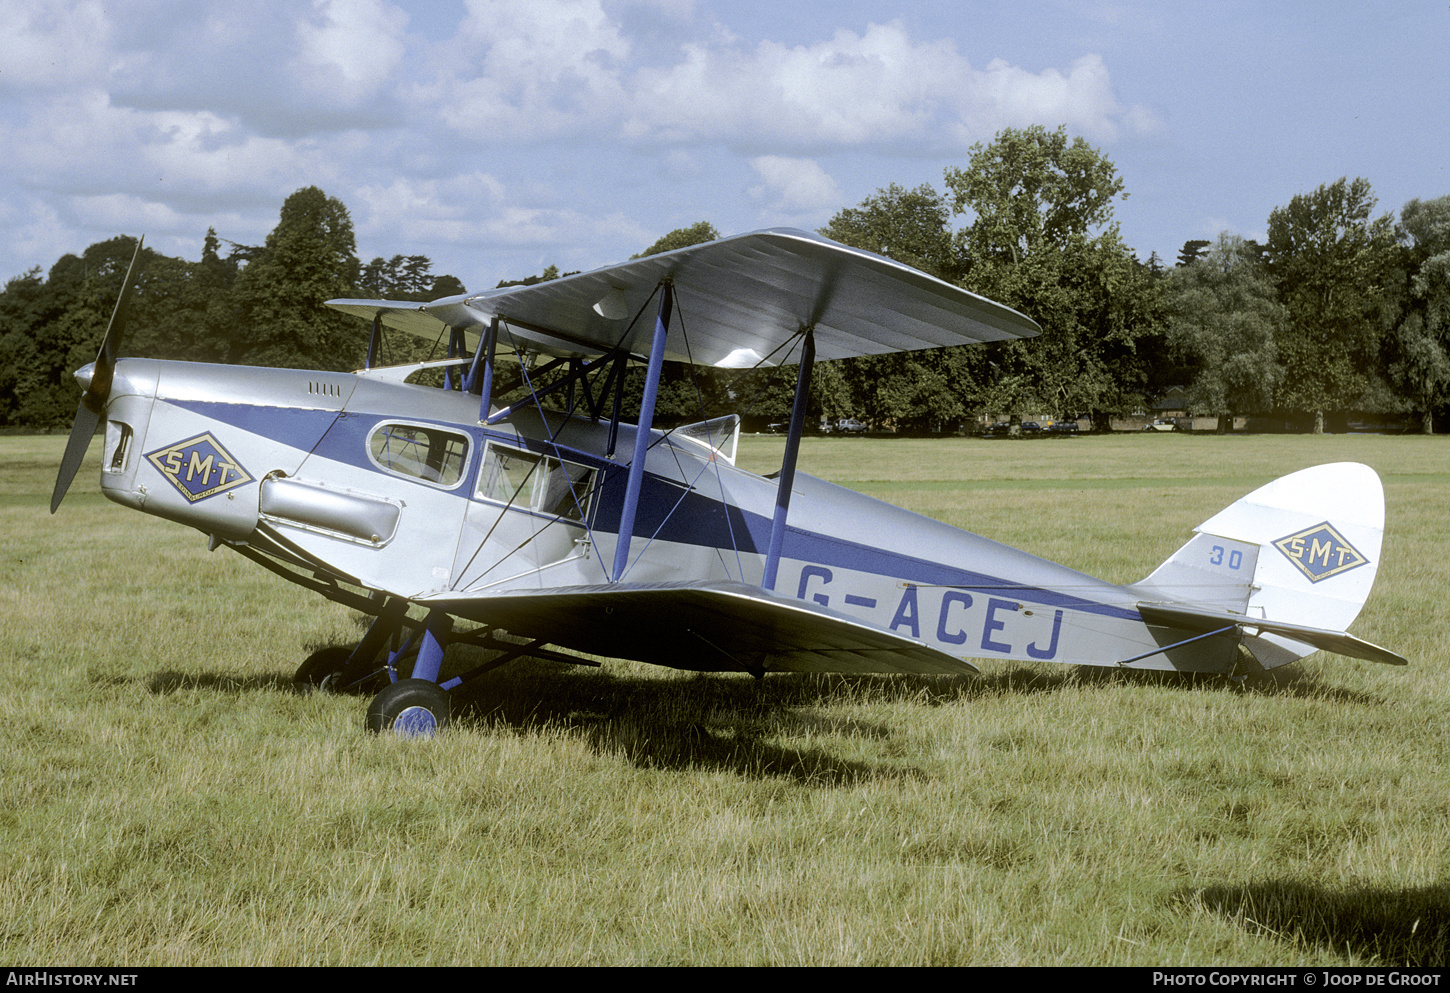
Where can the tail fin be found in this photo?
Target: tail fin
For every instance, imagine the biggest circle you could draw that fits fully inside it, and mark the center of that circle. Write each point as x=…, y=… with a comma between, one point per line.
x=1298, y=555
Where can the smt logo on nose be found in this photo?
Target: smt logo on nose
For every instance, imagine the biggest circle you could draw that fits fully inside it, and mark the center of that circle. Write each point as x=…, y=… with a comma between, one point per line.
x=199, y=467
x=1320, y=552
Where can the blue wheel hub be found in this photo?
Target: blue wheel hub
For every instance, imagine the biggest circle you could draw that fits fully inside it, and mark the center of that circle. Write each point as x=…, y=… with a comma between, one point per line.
x=415, y=722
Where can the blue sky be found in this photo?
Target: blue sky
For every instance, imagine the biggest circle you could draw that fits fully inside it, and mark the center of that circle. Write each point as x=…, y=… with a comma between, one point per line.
x=499, y=137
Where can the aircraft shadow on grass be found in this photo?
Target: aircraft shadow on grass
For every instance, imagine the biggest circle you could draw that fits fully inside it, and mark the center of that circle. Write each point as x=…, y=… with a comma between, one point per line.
x=1373, y=925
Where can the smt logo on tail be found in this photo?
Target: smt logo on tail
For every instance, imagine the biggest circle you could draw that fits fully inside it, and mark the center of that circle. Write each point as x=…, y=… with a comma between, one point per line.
x=199, y=467
x=1320, y=552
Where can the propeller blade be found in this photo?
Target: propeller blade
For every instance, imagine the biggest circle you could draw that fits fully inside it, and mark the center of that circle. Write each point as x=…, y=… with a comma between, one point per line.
x=75, y=452
x=100, y=388
x=93, y=401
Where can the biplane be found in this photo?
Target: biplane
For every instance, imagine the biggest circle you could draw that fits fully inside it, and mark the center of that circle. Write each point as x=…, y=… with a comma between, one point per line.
x=555, y=518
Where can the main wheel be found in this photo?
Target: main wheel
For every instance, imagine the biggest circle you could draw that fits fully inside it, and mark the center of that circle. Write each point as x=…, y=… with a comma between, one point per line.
x=321, y=664
x=409, y=708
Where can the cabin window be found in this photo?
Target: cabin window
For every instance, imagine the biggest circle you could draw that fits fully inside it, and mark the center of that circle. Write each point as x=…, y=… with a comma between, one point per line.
x=421, y=452
x=541, y=483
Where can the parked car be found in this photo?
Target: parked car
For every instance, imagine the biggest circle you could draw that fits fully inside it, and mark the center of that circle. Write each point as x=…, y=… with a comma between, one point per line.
x=1031, y=427
x=1160, y=425
x=1063, y=427
x=849, y=425
x=779, y=427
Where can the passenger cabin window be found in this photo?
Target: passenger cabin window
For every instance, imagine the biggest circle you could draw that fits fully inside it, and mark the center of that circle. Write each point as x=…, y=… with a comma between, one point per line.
x=540, y=483
x=421, y=452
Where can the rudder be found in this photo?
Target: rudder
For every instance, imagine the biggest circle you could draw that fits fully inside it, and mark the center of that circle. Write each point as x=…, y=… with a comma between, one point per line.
x=1302, y=550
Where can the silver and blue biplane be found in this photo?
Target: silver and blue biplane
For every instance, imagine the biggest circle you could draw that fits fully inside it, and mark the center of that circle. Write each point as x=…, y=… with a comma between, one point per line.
x=542, y=522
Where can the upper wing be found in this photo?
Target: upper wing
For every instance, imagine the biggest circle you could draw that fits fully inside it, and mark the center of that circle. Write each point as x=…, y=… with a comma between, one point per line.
x=740, y=300
x=709, y=627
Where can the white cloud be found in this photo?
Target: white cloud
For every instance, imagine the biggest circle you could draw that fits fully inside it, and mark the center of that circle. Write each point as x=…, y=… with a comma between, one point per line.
x=531, y=123
x=52, y=44
x=31, y=229
x=81, y=143
x=420, y=212
x=530, y=69
x=125, y=212
x=878, y=88
x=561, y=68
x=350, y=48
x=794, y=188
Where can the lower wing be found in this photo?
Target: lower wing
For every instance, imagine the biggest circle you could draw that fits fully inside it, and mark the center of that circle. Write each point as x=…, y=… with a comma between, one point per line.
x=712, y=627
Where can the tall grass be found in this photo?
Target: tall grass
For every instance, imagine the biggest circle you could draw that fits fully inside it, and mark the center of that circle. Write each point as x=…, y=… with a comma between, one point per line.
x=166, y=798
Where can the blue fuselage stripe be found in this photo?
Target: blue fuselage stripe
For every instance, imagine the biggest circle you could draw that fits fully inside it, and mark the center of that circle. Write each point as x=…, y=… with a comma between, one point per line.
x=668, y=511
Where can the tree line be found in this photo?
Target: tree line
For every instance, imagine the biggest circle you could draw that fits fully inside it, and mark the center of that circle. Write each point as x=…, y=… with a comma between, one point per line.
x=1340, y=311
x=241, y=304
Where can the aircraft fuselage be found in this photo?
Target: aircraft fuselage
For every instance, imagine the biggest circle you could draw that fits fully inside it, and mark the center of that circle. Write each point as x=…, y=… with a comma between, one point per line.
x=401, y=489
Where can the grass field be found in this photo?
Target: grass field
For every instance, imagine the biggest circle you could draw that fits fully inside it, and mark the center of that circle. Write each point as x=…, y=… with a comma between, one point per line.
x=166, y=798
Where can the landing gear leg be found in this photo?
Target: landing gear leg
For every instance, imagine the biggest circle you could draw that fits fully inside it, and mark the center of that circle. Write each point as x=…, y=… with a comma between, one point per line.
x=416, y=707
x=339, y=669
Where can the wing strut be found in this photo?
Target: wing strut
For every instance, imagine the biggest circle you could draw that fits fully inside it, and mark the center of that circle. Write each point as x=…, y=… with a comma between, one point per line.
x=373, y=341
x=787, y=466
x=642, y=429
x=483, y=366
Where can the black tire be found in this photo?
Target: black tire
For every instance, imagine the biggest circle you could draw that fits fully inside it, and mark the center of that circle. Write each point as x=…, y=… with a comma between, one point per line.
x=320, y=664
x=409, y=708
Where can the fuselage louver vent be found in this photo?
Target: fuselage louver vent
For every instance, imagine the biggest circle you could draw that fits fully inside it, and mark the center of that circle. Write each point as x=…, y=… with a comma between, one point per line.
x=324, y=389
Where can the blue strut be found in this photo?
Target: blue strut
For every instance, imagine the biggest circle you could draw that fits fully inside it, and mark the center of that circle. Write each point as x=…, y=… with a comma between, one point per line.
x=642, y=430
x=787, y=466
x=430, y=653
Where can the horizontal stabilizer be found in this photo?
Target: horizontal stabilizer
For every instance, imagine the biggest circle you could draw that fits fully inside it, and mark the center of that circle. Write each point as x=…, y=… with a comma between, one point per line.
x=1200, y=620
x=707, y=627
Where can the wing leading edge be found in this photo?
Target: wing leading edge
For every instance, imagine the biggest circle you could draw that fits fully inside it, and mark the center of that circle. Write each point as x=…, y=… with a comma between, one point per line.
x=742, y=299
x=709, y=627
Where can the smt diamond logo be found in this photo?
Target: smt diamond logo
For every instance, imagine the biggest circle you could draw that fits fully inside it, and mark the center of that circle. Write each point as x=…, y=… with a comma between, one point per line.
x=1320, y=552
x=199, y=467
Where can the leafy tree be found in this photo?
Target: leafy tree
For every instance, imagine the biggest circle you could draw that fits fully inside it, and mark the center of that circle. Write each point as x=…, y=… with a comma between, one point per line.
x=22, y=310
x=696, y=234
x=184, y=310
x=910, y=226
x=447, y=286
x=406, y=277
x=916, y=391
x=1225, y=319
x=1037, y=197
x=1421, y=337
x=1192, y=251
x=1029, y=189
x=552, y=272
x=689, y=393
x=49, y=329
x=309, y=257
x=1332, y=263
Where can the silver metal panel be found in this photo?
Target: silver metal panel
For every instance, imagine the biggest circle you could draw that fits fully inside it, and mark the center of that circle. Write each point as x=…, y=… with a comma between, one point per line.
x=296, y=502
x=742, y=298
